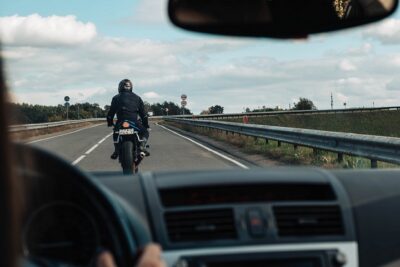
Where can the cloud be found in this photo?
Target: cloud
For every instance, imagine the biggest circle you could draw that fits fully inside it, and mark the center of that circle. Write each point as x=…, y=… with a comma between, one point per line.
x=210, y=70
x=347, y=65
x=151, y=95
x=386, y=32
x=57, y=96
x=35, y=30
x=393, y=85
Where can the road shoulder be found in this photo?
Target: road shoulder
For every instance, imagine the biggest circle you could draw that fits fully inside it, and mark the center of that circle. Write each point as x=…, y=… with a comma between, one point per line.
x=252, y=160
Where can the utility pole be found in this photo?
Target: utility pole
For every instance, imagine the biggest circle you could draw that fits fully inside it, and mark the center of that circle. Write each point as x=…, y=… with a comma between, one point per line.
x=78, y=110
x=331, y=101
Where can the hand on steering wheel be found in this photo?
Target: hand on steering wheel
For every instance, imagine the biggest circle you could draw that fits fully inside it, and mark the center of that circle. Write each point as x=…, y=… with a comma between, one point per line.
x=151, y=257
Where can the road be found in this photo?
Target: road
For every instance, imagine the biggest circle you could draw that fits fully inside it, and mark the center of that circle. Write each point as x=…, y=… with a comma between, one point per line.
x=90, y=149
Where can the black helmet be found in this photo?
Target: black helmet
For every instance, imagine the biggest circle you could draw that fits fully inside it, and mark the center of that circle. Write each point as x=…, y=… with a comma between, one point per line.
x=125, y=85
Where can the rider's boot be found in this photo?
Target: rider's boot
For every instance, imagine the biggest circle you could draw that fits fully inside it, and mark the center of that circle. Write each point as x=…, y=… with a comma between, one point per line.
x=114, y=155
x=143, y=147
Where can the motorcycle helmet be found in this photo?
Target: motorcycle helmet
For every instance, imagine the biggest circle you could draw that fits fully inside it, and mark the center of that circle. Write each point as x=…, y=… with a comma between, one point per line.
x=125, y=85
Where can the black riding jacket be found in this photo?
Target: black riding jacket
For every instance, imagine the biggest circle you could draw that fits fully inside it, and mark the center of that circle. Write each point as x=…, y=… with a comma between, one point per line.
x=127, y=106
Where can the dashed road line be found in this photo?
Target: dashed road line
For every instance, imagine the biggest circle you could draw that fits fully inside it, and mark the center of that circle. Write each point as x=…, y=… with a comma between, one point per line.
x=78, y=159
x=90, y=150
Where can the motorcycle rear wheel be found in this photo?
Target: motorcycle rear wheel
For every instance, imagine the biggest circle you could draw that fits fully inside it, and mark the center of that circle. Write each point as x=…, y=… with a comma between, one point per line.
x=126, y=157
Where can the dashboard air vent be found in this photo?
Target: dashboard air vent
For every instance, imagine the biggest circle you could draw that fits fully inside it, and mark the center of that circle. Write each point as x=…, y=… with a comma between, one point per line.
x=308, y=220
x=204, y=225
x=246, y=193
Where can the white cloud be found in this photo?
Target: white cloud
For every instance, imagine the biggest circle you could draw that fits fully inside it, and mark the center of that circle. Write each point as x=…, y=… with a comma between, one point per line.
x=341, y=98
x=35, y=30
x=347, y=65
x=387, y=31
x=209, y=70
x=394, y=85
x=57, y=96
x=151, y=95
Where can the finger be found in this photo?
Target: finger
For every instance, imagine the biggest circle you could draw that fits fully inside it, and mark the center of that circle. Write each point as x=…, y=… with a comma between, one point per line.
x=105, y=259
x=151, y=257
x=152, y=251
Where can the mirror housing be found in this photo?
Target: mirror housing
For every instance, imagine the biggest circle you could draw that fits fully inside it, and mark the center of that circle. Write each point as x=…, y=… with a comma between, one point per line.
x=276, y=18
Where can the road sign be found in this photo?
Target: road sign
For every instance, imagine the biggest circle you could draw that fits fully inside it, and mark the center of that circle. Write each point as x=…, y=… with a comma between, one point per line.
x=66, y=104
x=66, y=99
x=183, y=103
x=183, y=97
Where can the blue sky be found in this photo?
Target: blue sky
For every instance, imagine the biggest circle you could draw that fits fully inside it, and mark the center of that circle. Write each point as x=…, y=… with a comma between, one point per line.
x=118, y=39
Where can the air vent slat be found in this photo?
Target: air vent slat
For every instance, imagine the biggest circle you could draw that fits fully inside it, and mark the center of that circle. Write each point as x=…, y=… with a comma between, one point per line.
x=308, y=220
x=182, y=223
x=215, y=224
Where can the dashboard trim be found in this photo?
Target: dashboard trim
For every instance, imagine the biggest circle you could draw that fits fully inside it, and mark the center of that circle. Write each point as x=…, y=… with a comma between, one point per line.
x=350, y=249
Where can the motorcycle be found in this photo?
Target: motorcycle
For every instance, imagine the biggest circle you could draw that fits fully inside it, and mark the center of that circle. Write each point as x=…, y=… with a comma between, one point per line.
x=130, y=154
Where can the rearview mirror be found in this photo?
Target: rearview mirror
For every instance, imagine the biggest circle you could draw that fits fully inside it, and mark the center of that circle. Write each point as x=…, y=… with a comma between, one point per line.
x=276, y=18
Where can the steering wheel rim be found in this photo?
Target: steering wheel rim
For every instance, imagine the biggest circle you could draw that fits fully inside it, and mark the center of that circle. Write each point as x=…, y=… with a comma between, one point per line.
x=129, y=234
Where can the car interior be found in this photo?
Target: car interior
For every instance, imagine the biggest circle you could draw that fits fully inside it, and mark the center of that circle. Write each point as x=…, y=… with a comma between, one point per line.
x=280, y=216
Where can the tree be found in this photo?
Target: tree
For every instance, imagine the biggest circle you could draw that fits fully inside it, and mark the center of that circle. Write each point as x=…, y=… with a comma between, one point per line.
x=160, y=109
x=304, y=104
x=217, y=109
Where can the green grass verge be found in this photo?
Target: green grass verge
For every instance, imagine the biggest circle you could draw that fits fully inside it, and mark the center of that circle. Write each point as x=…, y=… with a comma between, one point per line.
x=285, y=153
x=385, y=123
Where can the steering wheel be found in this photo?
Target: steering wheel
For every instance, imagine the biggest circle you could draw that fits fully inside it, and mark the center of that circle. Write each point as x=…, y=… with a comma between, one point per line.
x=127, y=232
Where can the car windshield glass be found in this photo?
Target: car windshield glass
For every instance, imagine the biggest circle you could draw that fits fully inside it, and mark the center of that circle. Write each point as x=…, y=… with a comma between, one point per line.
x=101, y=84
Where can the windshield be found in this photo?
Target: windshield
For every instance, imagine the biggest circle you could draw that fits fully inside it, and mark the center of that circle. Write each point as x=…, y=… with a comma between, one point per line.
x=114, y=76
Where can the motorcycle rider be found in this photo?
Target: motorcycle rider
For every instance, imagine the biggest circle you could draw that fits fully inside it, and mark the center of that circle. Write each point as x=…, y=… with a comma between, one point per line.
x=128, y=106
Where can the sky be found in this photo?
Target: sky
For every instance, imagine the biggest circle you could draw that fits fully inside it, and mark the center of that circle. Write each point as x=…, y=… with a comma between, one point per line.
x=83, y=48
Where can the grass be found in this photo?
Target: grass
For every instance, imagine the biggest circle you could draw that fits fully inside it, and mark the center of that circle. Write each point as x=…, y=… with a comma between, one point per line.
x=285, y=153
x=385, y=123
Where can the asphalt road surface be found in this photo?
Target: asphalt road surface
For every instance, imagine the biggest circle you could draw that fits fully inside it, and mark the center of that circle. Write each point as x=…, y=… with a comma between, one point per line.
x=90, y=149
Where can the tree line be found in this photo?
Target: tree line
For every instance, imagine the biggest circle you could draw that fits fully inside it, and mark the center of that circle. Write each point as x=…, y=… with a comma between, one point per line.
x=166, y=108
x=26, y=113
x=302, y=104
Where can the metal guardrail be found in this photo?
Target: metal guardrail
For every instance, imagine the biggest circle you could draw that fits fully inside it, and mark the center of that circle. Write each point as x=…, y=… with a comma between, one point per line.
x=375, y=148
x=35, y=126
x=286, y=112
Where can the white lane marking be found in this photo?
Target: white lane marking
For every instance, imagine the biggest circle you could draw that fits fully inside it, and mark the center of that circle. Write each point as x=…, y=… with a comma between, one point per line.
x=48, y=138
x=90, y=150
x=102, y=140
x=78, y=159
x=97, y=144
x=208, y=149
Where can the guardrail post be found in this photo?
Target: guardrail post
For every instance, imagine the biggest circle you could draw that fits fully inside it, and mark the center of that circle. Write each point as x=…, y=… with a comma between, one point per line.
x=279, y=143
x=266, y=140
x=374, y=163
x=295, y=147
x=340, y=157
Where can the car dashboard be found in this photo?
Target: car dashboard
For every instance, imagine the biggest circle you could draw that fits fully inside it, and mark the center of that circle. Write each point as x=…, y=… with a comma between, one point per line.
x=269, y=217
